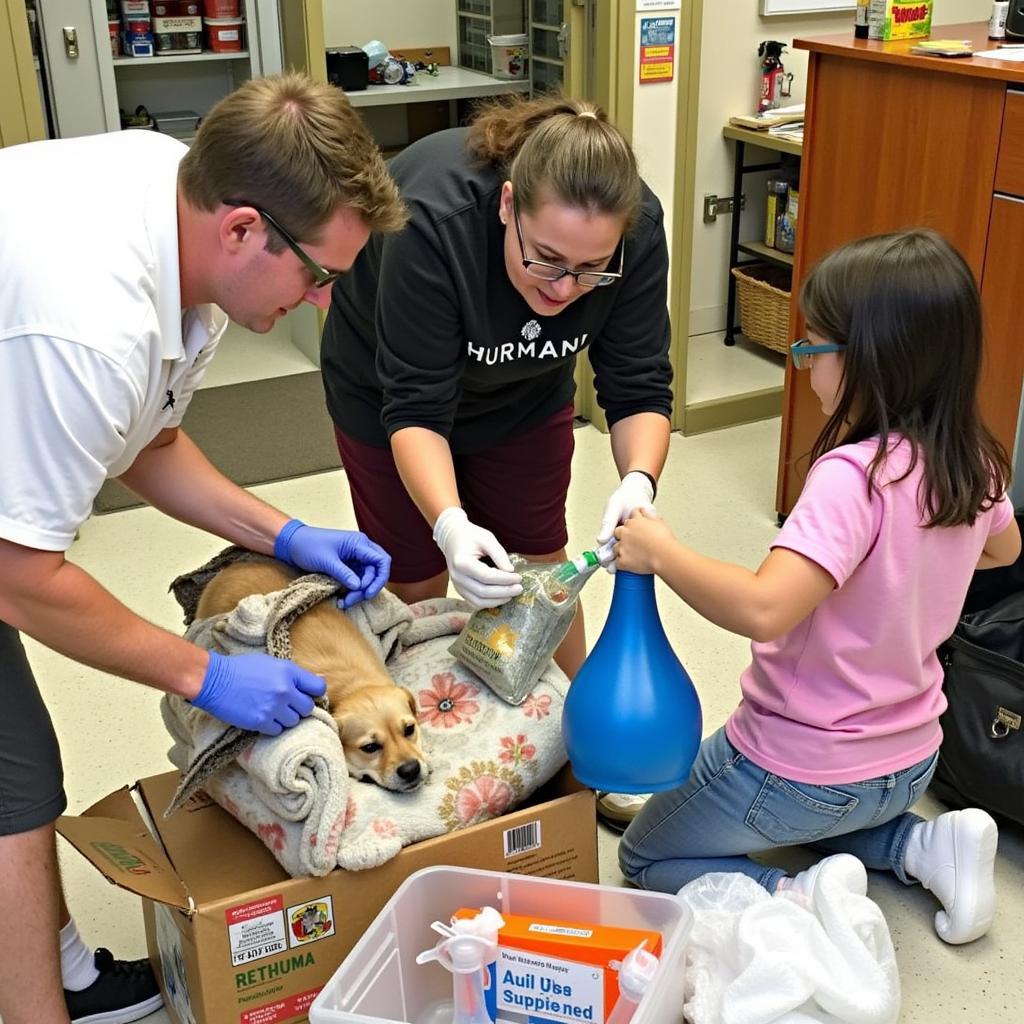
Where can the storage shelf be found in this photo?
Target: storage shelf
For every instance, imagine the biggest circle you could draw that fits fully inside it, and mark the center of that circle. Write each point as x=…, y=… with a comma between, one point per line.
x=451, y=83
x=179, y=58
x=766, y=252
x=547, y=60
x=764, y=139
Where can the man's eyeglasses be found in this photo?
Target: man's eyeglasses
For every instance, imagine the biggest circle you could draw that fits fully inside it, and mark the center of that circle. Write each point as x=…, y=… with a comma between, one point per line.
x=551, y=272
x=321, y=275
x=803, y=348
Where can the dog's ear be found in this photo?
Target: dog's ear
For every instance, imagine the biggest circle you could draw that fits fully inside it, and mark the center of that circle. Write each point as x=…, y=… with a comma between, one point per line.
x=342, y=721
x=411, y=698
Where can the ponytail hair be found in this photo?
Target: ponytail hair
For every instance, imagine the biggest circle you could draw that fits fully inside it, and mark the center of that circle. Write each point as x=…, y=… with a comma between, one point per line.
x=554, y=147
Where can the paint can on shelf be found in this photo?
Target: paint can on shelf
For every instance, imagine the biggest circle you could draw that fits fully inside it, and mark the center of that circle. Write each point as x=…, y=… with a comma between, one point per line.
x=509, y=55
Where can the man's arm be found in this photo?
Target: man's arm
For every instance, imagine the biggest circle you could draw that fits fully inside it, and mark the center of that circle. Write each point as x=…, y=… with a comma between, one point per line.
x=64, y=608
x=173, y=475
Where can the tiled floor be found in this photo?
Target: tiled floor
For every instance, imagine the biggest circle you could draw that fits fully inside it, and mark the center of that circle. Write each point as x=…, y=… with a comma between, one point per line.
x=717, y=494
x=715, y=370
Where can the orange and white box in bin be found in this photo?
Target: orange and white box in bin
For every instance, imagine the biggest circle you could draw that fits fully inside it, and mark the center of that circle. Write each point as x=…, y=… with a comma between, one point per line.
x=549, y=971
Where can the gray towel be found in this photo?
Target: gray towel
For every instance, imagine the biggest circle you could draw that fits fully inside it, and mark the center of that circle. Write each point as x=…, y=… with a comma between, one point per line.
x=263, y=622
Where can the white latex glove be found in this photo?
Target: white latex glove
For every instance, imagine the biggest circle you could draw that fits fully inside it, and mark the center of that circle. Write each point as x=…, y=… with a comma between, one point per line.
x=634, y=492
x=465, y=546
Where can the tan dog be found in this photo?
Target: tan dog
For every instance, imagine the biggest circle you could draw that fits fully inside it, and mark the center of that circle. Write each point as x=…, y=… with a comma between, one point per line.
x=376, y=718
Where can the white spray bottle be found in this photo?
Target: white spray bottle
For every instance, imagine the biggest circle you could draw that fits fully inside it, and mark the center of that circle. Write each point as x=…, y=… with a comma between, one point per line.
x=469, y=946
x=636, y=972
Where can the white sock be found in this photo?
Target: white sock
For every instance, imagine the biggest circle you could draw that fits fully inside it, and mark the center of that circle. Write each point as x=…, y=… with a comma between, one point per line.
x=954, y=858
x=76, y=959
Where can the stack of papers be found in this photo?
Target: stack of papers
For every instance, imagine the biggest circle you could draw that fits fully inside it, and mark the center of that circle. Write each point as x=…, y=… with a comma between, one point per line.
x=1008, y=53
x=792, y=132
x=770, y=118
x=944, y=48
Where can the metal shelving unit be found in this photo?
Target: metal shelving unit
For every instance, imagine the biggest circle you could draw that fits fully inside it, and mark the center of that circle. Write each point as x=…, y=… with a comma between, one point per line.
x=742, y=137
x=478, y=19
x=548, y=44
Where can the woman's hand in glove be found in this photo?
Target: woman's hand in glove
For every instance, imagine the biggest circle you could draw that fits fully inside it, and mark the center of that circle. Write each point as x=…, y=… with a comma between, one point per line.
x=256, y=691
x=465, y=546
x=348, y=556
x=634, y=492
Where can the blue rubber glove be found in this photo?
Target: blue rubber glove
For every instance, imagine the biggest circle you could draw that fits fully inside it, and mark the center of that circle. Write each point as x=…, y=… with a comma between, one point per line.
x=349, y=556
x=256, y=691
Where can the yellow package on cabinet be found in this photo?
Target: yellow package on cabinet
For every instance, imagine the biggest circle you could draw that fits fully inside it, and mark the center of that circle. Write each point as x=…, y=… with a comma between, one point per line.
x=897, y=19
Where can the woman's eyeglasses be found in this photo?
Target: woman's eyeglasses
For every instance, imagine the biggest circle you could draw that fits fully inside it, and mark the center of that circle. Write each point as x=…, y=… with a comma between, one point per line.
x=551, y=272
x=321, y=275
x=803, y=348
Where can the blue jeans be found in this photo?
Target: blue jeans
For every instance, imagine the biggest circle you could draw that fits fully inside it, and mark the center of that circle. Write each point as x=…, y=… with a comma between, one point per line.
x=729, y=808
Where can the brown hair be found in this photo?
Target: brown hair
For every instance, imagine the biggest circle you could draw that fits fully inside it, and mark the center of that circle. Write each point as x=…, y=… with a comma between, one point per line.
x=295, y=148
x=562, y=148
x=905, y=307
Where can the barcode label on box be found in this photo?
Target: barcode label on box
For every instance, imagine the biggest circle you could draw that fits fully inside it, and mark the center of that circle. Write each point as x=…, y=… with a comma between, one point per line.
x=521, y=839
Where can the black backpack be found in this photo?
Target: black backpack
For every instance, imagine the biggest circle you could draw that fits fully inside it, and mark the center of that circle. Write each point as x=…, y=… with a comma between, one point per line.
x=981, y=760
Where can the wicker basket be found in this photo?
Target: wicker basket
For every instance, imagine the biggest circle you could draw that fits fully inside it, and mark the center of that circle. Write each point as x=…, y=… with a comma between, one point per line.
x=762, y=291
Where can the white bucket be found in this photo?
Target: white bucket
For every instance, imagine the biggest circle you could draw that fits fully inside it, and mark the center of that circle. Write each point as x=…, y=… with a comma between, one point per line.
x=509, y=55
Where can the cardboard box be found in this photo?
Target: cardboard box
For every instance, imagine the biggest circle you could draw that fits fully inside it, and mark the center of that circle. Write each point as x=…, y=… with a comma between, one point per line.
x=235, y=940
x=899, y=19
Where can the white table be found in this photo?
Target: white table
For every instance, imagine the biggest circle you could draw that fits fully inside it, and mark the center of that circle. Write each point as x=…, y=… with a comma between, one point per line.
x=448, y=84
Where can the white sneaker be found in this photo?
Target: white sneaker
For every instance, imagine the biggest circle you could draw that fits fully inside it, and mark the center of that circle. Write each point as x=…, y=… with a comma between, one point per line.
x=617, y=810
x=954, y=858
x=842, y=869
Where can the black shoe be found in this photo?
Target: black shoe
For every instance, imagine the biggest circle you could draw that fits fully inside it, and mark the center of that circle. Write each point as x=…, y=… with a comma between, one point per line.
x=125, y=991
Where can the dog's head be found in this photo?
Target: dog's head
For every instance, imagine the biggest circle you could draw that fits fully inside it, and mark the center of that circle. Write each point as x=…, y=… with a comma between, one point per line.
x=381, y=737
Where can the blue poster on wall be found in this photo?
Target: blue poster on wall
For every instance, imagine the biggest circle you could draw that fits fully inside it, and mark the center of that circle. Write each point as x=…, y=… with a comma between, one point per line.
x=657, y=49
x=657, y=31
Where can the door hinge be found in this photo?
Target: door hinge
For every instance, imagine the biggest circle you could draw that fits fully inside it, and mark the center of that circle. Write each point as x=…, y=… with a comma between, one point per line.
x=714, y=205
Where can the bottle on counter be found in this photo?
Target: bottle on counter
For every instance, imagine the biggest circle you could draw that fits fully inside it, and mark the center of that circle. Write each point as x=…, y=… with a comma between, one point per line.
x=997, y=19
x=860, y=24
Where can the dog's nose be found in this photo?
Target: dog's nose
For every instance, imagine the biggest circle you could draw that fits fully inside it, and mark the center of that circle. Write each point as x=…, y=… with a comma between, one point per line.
x=409, y=771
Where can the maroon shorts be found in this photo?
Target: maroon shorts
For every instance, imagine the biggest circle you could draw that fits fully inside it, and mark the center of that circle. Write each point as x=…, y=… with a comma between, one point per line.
x=517, y=490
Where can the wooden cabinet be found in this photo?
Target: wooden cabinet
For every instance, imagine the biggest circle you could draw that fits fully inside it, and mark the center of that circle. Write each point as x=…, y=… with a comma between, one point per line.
x=1000, y=298
x=896, y=141
x=1010, y=169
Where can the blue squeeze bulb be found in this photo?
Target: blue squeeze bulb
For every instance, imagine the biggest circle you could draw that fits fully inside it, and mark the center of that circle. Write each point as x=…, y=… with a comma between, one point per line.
x=632, y=721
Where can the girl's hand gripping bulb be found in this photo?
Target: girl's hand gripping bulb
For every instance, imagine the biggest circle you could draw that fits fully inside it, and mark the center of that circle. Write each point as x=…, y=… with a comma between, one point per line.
x=636, y=972
x=469, y=946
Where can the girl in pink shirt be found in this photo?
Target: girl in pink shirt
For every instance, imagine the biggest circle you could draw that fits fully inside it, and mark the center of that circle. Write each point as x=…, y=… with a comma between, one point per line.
x=837, y=733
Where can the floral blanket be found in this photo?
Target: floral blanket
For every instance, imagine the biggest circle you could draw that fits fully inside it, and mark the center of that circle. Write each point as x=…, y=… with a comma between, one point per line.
x=294, y=792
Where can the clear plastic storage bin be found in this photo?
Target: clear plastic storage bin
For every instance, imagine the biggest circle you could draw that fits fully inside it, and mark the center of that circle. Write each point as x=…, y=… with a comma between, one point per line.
x=379, y=982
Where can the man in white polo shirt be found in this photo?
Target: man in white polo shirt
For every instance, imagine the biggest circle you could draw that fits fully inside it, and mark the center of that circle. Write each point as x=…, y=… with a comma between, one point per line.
x=110, y=311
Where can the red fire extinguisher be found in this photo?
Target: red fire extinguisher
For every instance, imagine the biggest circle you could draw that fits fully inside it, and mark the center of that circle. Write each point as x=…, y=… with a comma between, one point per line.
x=772, y=74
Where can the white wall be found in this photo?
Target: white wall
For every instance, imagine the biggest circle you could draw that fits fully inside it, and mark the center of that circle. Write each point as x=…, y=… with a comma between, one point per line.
x=730, y=84
x=655, y=123
x=396, y=23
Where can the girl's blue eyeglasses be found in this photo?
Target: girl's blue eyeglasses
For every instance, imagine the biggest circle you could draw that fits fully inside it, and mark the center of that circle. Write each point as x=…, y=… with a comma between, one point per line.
x=803, y=348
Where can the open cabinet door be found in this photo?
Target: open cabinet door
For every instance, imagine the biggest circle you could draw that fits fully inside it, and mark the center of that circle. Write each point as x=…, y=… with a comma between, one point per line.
x=302, y=37
x=559, y=33
x=660, y=120
x=80, y=75
x=21, y=111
